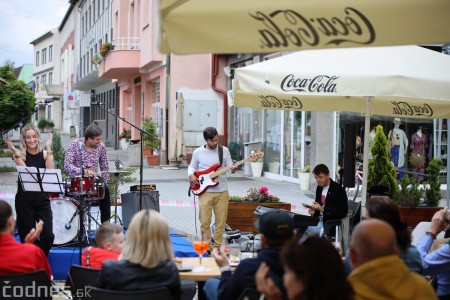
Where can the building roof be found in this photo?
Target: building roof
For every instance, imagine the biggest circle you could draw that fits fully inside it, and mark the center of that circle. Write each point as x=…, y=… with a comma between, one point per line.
x=26, y=73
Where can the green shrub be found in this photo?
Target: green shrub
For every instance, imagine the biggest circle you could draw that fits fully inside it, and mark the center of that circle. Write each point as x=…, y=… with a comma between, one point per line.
x=409, y=193
x=433, y=190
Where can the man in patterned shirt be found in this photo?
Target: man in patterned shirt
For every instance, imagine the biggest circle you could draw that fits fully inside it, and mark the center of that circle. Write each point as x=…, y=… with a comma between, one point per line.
x=86, y=155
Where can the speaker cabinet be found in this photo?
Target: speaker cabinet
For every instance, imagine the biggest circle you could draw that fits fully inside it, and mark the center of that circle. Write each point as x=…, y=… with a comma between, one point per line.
x=349, y=155
x=130, y=204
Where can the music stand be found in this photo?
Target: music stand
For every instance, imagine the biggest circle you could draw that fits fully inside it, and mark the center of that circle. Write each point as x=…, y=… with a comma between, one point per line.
x=49, y=181
x=40, y=180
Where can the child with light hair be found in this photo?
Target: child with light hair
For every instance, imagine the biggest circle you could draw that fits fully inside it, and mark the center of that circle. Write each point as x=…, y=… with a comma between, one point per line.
x=109, y=240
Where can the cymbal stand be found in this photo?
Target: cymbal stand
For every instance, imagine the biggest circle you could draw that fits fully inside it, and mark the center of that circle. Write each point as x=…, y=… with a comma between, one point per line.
x=116, y=187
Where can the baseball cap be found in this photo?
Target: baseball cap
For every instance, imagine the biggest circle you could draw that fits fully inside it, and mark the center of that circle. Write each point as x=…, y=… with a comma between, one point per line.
x=276, y=225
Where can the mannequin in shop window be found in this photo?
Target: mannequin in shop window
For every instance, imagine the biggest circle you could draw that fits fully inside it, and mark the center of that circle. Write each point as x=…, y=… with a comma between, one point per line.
x=418, y=151
x=371, y=138
x=398, y=145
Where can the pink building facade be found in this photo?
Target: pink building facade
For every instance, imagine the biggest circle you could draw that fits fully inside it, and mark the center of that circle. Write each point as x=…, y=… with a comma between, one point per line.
x=150, y=82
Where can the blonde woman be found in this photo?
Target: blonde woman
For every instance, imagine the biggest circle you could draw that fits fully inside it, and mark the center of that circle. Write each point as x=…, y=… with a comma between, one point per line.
x=147, y=260
x=33, y=206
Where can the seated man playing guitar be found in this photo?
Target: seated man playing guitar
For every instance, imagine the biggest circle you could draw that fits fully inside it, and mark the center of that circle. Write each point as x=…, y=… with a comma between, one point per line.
x=213, y=194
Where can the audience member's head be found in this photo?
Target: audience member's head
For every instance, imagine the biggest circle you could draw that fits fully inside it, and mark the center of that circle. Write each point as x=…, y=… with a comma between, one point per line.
x=148, y=241
x=6, y=218
x=109, y=236
x=372, y=239
x=314, y=270
x=275, y=227
x=384, y=208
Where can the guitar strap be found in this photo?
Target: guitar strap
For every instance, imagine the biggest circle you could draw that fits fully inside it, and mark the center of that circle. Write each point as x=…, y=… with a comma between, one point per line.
x=220, y=154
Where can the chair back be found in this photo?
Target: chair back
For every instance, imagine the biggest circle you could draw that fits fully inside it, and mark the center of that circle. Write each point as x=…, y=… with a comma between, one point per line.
x=35, y=285
x=80, y=277
x=102, y=294
x=249, y=294
x=355, y=208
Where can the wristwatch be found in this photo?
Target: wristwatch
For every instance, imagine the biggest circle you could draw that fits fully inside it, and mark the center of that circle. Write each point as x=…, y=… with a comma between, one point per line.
x=432, y=235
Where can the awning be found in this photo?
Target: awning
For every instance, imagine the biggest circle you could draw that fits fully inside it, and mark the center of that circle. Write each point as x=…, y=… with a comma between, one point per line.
x=267, y=26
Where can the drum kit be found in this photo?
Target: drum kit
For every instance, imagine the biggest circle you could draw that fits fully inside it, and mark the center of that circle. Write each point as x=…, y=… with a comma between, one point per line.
x=72, y=212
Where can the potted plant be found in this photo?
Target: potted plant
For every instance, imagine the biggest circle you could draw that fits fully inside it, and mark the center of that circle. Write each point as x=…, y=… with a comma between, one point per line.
x=151, y=141
x=274, y=165
x=124, y=138
x=105, y=48
x=304, y=177
x=241, y=208
x=46, y=125
x=433, y=188
x=257, y=166
x=381, y=170
x=412, y=209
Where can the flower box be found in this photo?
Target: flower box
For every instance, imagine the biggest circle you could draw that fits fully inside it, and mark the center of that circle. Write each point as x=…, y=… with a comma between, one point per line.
x=240, y=214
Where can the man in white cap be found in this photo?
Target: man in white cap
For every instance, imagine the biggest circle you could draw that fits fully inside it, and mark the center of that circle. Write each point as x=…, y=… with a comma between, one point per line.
x=398, y=145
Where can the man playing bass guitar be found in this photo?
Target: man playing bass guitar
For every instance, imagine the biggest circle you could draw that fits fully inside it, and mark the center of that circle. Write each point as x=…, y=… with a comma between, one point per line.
x=214, y=197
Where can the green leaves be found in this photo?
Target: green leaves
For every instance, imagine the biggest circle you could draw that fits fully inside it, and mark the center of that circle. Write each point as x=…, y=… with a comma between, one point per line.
x=16, y=100
x=381, y=170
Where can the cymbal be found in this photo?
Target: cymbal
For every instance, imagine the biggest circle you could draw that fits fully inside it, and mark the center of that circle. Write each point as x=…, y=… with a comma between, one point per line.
x=115, y=172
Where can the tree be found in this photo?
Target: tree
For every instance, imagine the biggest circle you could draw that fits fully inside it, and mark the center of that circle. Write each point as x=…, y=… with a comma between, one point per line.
x=381, y=170
x=16, y=99
x=58, y=152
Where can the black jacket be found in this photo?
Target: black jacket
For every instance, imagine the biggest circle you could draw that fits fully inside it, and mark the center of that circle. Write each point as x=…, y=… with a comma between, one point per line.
x=125, y=276
x=336, y=203
x=232, y=285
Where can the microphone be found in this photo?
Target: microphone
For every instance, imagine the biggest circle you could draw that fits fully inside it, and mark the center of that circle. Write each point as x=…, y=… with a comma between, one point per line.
x=68, y=226
x=118, y=163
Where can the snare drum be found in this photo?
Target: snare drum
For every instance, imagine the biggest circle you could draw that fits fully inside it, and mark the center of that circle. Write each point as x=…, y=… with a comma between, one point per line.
x=76, y=185
x=66, y=220
x=91, y=187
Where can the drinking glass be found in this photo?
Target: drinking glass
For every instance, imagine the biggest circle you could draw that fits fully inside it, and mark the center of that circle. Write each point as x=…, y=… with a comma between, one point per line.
x=235, y=254
x=200, y=246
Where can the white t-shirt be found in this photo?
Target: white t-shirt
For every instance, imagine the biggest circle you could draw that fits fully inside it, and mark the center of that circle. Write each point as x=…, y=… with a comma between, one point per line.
x=203, y=158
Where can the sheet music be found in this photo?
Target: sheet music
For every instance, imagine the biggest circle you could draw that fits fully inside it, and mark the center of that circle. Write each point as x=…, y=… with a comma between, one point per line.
x=32, y=179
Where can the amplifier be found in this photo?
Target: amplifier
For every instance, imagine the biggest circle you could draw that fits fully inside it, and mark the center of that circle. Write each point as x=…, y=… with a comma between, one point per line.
x=145, y=187
x=131, y=203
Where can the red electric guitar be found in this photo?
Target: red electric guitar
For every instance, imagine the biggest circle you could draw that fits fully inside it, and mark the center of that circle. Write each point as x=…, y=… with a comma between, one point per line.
x=206, y=177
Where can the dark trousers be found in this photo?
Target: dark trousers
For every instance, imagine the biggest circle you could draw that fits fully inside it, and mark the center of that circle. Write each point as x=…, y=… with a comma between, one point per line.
x=30, y=208
x=105, y=206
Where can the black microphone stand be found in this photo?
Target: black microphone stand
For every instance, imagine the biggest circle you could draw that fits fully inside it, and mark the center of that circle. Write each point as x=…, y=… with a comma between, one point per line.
x=22, y=120
x=141, y=132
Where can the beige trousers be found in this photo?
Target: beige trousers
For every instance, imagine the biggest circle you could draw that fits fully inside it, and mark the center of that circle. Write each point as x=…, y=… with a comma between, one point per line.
x=217, y=202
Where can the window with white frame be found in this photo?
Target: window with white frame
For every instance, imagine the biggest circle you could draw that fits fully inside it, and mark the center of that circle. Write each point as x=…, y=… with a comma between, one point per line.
x=156, y=92
x=50, y=77
x=37, y=58
x=44, y=56
x=50, y=53
x=43, y=80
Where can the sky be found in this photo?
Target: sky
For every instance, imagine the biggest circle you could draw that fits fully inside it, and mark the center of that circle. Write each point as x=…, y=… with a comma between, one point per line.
x=22, y=21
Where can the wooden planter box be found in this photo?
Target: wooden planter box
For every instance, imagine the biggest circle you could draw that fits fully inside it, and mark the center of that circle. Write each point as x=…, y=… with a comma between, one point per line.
x=414, y=215
x=240, y=214
x=153, y=160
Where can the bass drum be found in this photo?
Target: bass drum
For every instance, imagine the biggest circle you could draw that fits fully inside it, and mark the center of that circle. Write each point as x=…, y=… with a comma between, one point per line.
x=66, y=219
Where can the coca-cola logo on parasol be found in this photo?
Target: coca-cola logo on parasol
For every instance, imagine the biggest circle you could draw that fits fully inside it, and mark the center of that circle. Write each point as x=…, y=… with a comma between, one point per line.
x=284, y=28
x=318, y=84
x=405, y=109
x=272, y=102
